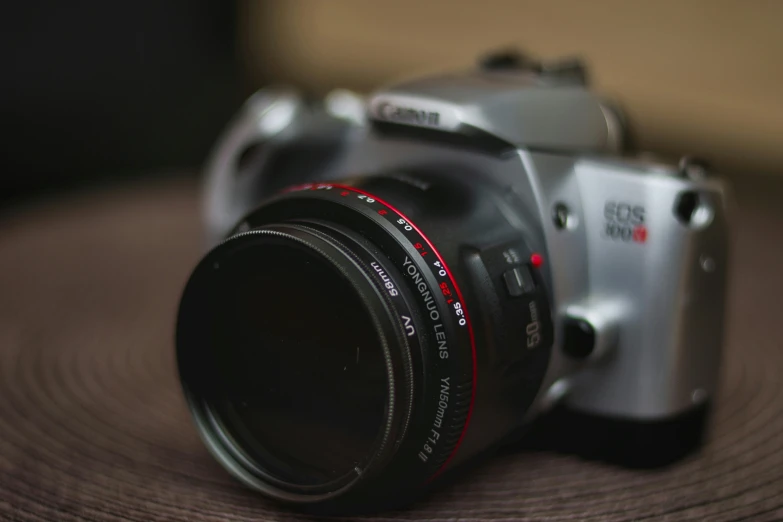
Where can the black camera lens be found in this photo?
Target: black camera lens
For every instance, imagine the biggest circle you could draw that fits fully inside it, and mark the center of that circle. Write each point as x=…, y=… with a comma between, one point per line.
x=334, y=355
x=306, y=392
x=289, y=354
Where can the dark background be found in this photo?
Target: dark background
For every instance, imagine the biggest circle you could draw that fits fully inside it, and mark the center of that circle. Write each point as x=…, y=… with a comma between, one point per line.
x=93, y=424
x=94, y=92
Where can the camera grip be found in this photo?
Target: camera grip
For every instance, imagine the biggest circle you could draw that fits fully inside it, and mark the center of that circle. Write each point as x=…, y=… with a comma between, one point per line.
x=627, y=442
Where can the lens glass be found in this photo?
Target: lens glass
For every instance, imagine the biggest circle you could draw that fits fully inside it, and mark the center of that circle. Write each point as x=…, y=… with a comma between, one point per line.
x=299, y=368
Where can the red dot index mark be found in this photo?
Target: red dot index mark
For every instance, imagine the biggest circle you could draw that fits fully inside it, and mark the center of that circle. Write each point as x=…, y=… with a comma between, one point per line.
x=640, y=234
x=382, y=212
x=344, y=193
x=536, y=260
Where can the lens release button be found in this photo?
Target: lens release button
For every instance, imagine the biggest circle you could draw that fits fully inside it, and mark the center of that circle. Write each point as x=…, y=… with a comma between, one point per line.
x=518, y=281
x=579, y=338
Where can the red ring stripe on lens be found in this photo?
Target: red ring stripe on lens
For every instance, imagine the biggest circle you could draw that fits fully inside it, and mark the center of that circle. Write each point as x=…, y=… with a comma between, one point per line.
x=459, y=296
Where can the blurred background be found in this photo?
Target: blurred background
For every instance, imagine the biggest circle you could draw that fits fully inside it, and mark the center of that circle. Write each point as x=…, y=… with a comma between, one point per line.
x=94, y=92
x=109, y=110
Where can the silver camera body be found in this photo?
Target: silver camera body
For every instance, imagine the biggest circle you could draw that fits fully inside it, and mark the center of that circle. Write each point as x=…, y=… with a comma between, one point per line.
x=635, y=251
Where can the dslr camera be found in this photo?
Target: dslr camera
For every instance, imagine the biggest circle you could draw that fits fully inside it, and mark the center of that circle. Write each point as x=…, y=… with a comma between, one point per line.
x=400, y=284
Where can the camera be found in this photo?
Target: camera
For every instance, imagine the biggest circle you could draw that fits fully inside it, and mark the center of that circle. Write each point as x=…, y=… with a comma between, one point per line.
x=399, y=284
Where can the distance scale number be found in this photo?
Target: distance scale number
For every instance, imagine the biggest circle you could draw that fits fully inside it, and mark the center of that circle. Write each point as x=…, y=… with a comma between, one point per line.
x=440, y=270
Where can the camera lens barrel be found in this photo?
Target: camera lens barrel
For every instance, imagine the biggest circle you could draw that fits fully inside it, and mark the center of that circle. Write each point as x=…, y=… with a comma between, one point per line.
x=333, y=356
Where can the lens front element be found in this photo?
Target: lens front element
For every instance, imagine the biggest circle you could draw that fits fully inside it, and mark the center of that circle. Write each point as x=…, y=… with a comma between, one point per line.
x=288, y=351
x=305, y=382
